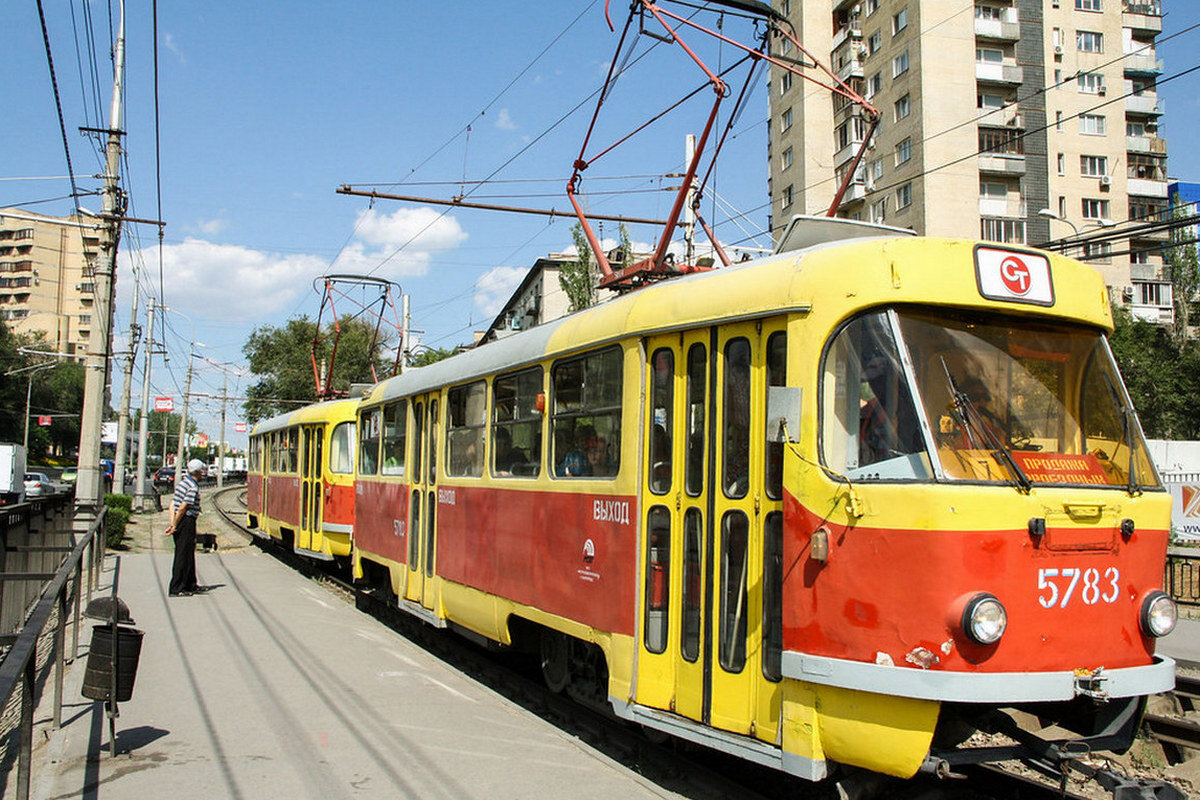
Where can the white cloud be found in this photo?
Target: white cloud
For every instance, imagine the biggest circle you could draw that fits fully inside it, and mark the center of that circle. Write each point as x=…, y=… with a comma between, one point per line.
x=229, y=283
x=212, y=227
x=495, y=287
x=169, y=41
x=504, y=121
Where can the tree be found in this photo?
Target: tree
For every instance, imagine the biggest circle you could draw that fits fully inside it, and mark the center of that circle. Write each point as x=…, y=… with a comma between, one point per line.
x=431, y=355
x=12, y=388
x=1161, y=374
x=575, y=277
x=282, y=358
x=1182, y=269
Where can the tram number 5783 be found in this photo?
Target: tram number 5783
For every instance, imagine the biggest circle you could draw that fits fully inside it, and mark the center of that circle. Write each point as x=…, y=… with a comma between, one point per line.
x=1058, y=586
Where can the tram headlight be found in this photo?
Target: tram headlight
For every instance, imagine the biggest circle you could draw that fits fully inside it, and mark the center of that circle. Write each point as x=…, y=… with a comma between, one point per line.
x=984, y=619
x=1159, y=614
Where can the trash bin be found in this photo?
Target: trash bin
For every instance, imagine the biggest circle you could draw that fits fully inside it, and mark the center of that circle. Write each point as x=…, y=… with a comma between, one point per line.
x=97, y=678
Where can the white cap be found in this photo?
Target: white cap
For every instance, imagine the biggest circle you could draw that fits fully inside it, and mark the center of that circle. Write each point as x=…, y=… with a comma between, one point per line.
x=196, y=465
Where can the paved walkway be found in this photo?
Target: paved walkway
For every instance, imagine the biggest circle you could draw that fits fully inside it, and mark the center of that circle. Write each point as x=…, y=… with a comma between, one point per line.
x=272, y=686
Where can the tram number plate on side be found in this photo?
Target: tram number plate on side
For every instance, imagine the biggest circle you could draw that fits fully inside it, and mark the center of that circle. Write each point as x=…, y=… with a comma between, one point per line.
x=1061, y=586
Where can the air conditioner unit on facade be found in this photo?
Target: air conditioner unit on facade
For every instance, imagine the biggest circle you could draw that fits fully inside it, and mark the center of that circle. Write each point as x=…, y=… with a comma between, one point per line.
x=1101, y=91
x=1058, y=49
x=1127, y=293
x=1105, y=180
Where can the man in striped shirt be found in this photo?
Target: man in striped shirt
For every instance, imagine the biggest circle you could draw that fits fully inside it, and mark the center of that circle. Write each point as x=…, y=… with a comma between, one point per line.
x=185, y=508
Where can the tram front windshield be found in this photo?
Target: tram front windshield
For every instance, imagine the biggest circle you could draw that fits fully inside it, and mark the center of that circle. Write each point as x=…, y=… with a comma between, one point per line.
x=910, y=395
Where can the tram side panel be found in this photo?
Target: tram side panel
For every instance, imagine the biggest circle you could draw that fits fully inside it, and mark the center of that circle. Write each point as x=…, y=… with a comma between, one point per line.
x=569, y=553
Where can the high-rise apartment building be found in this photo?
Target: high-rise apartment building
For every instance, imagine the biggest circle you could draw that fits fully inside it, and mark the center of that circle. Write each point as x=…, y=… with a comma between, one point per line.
x=46, y=285
x=1020, y=121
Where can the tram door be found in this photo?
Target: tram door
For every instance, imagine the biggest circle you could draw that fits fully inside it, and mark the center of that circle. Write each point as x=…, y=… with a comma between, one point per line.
x=423, y=505
x=712, y=510
x=310, y=488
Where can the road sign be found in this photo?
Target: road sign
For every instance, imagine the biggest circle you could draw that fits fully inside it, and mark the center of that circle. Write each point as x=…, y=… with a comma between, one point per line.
x=239, y=427
x=164, y=404
x=44, y=422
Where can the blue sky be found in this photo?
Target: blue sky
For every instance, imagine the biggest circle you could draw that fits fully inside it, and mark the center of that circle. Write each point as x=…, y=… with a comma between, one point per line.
x=266, y=108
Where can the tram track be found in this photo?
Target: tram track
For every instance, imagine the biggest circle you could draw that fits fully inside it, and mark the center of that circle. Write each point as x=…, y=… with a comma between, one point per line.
x=673, y=764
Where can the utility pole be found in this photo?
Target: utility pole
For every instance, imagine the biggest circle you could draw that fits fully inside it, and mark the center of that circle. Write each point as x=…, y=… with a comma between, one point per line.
x=406, y=321
x=187, y=391
x=221, y=443
x=144, y=422
x=126, y=390
x=88, y=485
x=689, y=211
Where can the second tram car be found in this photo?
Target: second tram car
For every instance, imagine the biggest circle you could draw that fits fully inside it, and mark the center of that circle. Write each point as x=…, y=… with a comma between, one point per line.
x=300, y=483
x=844, y=504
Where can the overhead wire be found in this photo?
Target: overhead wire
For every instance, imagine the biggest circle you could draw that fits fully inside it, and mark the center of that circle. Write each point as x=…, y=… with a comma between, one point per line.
x=62, y=124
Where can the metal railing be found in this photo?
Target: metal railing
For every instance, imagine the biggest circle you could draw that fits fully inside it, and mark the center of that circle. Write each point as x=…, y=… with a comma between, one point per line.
x=35, y=535
x=1183, y=575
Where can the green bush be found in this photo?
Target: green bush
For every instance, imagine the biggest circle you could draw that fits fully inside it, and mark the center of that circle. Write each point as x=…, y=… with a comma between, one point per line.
x=124, y=501
x=120, y=509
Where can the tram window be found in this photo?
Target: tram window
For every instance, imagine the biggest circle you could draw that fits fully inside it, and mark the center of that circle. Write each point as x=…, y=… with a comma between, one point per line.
x=658, y=585
x=433, y=424
x=395, y=437
x=776, y=376
x=430, y=511
x=290, y=449
x=464, y=429
x=870, y=428
x=341, y=449
x=418, y=442
x=414, y=531
x=517, y=424
x=697, y=373
x=587, y=415
x=735, y=530
x=735, y=463
x=692, y=590
x=368, y=442
x=662, y=420
x=772, y=624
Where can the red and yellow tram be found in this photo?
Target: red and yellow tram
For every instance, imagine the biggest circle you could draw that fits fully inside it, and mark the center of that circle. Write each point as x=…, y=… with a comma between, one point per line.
x=844, y=504
x=300, y=484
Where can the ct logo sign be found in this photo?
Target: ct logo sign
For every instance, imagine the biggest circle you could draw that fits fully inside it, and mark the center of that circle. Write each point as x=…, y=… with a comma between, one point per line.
x=1013, y=277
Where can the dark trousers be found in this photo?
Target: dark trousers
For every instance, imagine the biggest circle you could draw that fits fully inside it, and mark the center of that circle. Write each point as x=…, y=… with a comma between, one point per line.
x=183, y=568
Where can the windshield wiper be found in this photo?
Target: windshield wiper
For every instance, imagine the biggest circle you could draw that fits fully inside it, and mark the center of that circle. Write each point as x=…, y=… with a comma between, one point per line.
x=1133, y=485
x=973, y=420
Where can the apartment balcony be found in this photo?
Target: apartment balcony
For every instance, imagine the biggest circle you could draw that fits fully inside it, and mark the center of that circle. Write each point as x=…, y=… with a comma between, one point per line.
x=1140, y=187
x=1008, y=28
x=1000, y=207
x=1146, y=63
x=851, y=31
x=1143, y=272
x=1144, y=17
x=1159, y=315
x=1146, y=144
x=852, y=69
x=999, y=164
x=999, y=73
x=855, y=192
x=847, y=152
x=1146, y=103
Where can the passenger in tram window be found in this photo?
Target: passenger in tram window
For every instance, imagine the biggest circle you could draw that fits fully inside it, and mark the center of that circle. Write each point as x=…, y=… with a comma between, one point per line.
x=575, y=463
x=599, y=461
x=507, y=456
x=393, y=463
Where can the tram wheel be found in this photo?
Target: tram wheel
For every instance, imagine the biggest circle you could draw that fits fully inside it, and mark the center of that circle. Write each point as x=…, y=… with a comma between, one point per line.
x=556, y=660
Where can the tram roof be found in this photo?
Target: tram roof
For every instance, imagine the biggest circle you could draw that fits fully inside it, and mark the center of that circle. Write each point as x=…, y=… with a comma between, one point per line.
x=841, y=276
x=335, y=410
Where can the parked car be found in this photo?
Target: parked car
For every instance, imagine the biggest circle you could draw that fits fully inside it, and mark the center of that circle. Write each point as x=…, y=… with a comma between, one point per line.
x=165, y=477
x=38, y=484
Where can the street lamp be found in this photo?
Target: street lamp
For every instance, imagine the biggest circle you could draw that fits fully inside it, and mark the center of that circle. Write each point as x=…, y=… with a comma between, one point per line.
x=29, y=392
x=1046, y=213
